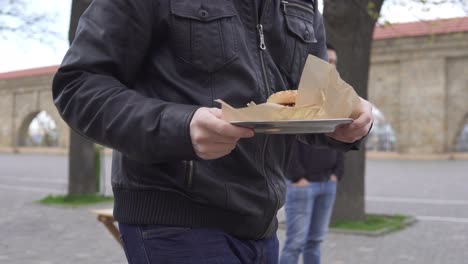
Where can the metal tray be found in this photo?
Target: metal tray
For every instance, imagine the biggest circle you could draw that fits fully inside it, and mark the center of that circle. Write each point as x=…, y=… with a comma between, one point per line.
x=294, y=126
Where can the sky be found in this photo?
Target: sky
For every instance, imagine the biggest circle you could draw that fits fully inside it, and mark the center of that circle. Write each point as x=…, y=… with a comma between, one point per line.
x=17, y=53
x=42, y=122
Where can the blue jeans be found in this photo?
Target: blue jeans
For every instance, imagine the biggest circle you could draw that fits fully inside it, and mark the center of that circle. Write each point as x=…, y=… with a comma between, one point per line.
x=168, y=245
x=308, y=211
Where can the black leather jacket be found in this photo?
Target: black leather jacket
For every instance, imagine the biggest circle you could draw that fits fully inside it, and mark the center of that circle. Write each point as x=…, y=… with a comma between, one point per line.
x=139, y=69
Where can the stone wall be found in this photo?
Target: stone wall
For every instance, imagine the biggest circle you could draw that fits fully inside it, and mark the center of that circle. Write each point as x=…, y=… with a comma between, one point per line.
x=421, y=86
x=21, y=99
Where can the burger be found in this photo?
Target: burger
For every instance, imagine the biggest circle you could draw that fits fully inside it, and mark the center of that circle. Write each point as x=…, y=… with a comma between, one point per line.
x=286, y=98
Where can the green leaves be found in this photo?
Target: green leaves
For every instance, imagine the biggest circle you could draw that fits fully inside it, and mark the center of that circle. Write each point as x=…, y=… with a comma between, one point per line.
x=372, y=11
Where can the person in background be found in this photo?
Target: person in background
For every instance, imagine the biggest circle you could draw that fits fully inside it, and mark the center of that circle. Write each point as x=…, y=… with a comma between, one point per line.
x=312, y=175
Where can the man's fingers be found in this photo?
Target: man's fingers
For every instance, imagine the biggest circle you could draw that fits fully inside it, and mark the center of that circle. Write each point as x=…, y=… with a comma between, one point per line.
x=345, y=134
x=227, y=130
x=223, y=128
x=362, y=121
x=215, y=148
x=365, y=117
x=216, y=138
x=358, y=128
x=211, y=150
x=213, y=137
x=212, y=155
x=209, y=136
x=216, y=112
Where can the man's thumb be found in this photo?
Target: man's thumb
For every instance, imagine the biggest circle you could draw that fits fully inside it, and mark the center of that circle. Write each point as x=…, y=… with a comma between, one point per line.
x=216, y=112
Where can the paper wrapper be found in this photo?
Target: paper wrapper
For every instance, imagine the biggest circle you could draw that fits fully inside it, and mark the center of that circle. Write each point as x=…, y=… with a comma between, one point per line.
x=322, y=94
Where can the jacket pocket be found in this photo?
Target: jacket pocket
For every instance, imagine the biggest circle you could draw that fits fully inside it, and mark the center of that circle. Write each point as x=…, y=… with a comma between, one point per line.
x=163, y=232
x=203, y=33
x=299, y=19
x=189, y=167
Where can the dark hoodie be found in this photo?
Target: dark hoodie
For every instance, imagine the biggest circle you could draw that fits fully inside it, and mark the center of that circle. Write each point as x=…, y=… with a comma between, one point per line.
x=314, y=163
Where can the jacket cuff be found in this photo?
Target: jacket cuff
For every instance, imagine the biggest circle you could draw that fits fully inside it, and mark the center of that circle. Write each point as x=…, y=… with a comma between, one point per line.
x=356, y=145
x=343, y=146
x=294, y=179
x=175, y=138
x=339, y=176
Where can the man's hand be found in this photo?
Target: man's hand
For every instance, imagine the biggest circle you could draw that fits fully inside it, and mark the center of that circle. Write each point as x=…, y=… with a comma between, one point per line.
x=358, y=128
x=213, y=137
x=301, y=183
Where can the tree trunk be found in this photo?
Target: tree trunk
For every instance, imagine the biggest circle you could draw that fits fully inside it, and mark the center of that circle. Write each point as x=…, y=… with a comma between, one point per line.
x=82, y=163
x=349, y=26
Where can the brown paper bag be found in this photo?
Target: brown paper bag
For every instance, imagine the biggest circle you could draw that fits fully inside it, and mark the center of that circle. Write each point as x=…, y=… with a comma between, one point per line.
x=322, y=94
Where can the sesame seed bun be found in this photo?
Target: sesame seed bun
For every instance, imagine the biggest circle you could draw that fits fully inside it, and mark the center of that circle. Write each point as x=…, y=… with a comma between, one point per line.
x=287, y=97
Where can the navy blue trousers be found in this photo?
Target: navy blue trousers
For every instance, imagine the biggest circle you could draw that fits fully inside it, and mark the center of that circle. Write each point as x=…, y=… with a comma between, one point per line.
x=167, y=245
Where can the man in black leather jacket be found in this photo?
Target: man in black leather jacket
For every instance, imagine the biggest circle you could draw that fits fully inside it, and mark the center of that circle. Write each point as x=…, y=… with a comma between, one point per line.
x=141, y=77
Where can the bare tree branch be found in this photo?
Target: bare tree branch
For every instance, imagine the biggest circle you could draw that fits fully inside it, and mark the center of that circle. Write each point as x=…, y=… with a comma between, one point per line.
x=462, y=4
x=16, y=18
x=417, y=7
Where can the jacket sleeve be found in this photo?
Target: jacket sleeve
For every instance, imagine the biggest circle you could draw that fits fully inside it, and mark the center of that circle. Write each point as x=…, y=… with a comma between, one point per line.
x=339, y=166
x=92, y=88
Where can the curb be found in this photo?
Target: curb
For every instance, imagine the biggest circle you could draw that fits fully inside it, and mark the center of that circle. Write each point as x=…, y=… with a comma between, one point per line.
x=43, y=151
x=407, y=223
x=376, y=155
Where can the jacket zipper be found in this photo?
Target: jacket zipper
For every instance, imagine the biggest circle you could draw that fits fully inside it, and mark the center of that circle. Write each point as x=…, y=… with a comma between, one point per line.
x=270, y=182
x=262, y=59
x=262, y=50
x=263, y=47
x=190, y=173
x=298, y=5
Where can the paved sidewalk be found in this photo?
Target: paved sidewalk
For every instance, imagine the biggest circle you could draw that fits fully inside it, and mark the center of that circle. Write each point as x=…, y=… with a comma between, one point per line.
x=435, y=192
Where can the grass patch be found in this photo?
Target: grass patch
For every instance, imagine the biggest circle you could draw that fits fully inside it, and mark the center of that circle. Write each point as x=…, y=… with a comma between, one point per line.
x=373, y=223
x=75, y=200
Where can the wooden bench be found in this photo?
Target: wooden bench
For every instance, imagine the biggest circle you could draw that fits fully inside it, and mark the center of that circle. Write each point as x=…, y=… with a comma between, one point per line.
x=106, y=217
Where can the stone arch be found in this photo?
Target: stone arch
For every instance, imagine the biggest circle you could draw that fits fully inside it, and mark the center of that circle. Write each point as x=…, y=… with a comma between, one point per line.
x=382, y=136
x=24, y=138
x=47, y=105
x=23, y=132
x=460, y=142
